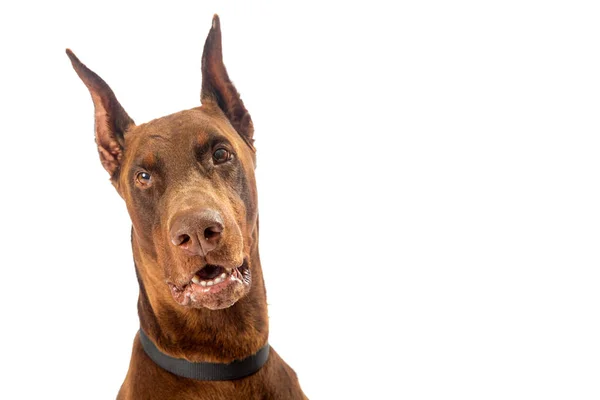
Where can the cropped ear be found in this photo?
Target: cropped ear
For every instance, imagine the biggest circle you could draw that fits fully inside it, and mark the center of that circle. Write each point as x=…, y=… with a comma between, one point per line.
x=111, y=120
x=218, y=88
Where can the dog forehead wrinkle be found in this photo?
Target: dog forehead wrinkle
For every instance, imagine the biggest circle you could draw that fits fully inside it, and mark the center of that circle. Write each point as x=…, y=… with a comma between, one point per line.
x=155, y=136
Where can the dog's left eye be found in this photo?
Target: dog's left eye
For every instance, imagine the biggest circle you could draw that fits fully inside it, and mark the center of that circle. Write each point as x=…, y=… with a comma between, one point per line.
x=221, y=155
x=143, y=179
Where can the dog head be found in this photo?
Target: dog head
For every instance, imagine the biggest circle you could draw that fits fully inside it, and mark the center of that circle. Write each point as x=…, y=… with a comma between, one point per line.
x=188, y=183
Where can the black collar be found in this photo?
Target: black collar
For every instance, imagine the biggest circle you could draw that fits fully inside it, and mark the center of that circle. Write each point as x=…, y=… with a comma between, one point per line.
x=205, y=371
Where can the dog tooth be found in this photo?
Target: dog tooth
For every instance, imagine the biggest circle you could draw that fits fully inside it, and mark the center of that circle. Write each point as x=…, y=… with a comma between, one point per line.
x=196, y=279
x=223, y=275
x=218, y=280
x=203, y=283
x=209, y=283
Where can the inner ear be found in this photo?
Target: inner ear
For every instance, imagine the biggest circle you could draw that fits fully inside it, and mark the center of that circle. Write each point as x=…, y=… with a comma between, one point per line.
x=111, y=120
x=218, y=89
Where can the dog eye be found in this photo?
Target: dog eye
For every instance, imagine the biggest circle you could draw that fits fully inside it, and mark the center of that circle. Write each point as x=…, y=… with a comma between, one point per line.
x=221, y=155
x=143, y=179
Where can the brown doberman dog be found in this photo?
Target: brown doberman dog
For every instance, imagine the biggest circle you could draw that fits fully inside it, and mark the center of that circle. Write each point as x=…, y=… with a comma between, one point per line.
x=188, y=183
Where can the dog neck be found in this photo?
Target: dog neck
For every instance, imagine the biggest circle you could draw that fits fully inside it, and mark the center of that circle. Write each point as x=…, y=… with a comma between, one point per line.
x=201, y=335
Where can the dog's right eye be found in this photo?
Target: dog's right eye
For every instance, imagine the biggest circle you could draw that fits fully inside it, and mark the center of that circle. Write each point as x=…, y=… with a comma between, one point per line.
x=143, y=179
x=221, y=155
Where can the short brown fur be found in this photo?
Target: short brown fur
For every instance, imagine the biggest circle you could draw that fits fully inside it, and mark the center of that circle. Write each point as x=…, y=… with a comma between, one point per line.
x=178, y=155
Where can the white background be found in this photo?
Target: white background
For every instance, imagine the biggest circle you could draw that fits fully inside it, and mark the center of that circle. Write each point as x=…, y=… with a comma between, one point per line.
x=428, y=177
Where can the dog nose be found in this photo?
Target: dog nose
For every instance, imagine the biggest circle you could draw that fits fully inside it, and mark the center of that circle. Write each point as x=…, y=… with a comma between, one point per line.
x=197, y=232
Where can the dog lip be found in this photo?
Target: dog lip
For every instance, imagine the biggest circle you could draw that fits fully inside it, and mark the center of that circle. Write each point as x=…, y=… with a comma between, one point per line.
x=188, y=281
x=219, y=292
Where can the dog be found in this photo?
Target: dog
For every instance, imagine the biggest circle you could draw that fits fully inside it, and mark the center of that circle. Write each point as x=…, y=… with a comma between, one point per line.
x=189, y=186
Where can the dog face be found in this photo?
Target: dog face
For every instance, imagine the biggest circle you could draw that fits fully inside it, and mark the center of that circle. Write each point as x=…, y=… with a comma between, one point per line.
x=188, y=183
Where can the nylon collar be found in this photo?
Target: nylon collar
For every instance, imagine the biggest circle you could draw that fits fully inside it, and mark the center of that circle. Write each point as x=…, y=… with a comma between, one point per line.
x=205, y=371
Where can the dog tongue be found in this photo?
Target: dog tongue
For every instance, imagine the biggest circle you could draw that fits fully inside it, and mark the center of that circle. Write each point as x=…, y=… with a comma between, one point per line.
x=210, y=271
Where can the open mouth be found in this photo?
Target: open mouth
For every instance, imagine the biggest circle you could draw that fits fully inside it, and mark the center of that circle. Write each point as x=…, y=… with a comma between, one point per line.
x=213, y=275
x=214, y=287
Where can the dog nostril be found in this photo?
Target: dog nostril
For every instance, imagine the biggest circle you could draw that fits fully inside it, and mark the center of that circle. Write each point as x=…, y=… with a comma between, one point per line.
x=212, y=232
x=184, y=239
x=181, y=239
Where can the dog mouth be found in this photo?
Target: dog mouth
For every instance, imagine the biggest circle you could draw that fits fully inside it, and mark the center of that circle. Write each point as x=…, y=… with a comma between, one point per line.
x=212, y=275
x=214, y=287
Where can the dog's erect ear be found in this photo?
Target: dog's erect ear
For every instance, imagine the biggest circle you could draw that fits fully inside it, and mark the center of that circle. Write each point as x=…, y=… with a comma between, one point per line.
x=111, y=119
x=218, y=88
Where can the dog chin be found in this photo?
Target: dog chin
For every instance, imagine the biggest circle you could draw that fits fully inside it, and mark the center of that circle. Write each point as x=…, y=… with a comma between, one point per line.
x=214, y=287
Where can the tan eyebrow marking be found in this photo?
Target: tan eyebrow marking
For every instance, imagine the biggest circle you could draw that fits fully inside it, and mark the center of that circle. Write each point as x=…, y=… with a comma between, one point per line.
x=149, y=160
